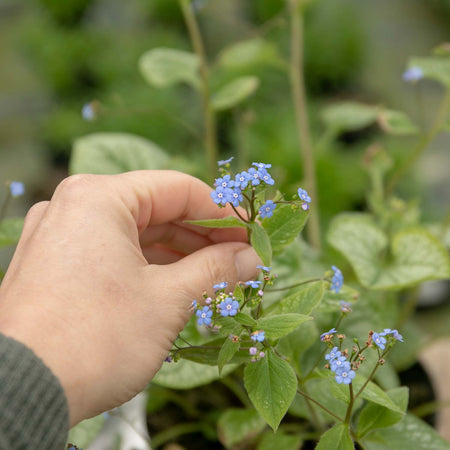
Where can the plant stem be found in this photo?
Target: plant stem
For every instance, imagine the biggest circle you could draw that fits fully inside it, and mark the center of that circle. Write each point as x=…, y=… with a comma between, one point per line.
x=305, y=395
x=301, y=116
x=438, y=122
x=348, y=415
x=311, y=280
x=208, y=112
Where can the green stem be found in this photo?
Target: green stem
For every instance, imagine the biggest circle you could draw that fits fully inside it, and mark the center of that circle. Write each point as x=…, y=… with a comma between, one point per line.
x=438, y=122
x=173, y=432
x=238, y=214
x=311, y=280
x=369, y=378
x=301, y=116
x=348, y=414
x=208, y=112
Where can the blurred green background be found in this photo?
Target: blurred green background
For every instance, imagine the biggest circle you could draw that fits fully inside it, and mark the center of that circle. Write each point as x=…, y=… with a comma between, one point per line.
x=57, y=55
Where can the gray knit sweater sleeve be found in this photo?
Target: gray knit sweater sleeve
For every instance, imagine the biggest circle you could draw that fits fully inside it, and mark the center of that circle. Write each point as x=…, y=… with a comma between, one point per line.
x=33, y=408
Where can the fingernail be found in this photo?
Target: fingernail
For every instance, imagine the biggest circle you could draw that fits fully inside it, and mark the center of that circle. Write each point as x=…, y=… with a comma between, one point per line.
x=246, y=261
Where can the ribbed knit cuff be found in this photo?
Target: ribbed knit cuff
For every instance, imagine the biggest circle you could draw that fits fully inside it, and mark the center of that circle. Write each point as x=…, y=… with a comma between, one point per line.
x=33, y=408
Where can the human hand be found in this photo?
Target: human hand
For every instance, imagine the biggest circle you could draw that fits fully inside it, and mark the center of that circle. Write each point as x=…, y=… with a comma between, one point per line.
x=103, y=276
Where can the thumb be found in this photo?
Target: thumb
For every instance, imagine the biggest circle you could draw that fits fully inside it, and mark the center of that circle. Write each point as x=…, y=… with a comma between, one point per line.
x=199, y=271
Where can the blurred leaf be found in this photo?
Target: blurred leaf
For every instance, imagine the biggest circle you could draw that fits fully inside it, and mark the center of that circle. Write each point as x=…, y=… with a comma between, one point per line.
x=186, y=374
x=414, y=254
x=410, y=433
x=281, y=325
x=163, y=67
x=113, y=153
x=10, y=231
x=374, y=416
x=228, y=350
x=278, y=441
x=349, y=116
x=442, y=49
x=337, y=438
x=271, y=385
x=249, y=53
x=236, y=426
x=436, y=68
x=86, y=431
x=226, y=222
x=396, y=122
x=284, y=226
x=234, y=92
x=261, y=243
x=302, y=301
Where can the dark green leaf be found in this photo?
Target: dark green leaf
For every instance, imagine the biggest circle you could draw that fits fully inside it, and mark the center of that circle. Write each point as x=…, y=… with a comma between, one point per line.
x=396, y=122
x=228, y=350
x=271, y=385
x=10, y=231
x=337, y=438
x=112, y=153
x=86, y=431
x=261, y=243
x=279, y=441
x=245, y=319
x=374, y=416
x=236, y=426
x=163, y=67
x=278, y=326
x=226, y=222
x=234, y=93
x=284, y=226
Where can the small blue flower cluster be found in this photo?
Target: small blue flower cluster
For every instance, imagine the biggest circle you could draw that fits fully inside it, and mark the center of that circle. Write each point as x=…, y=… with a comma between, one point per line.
x=303, y=195
x=337, y=281
x=73, y=447
x=413, y=74
x=379, y=339
x=17, y=188
x=257, y=336
x=340, y=366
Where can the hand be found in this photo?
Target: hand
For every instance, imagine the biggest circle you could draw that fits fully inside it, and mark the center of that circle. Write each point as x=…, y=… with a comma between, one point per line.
x=103, y=276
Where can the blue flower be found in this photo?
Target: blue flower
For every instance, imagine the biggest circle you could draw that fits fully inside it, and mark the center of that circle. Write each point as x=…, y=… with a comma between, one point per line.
x=323, y=336
x=222, y=285
x=337, y=281
x=395, y=334
x=379, y=341
x=414, y=73
x=225, y=182
x=236, y=197
x=254, y=176
x=345, y=306
x=225, y=161
x=253, y=284
x=221, y=196
x=258, y=336
x=262, y=165
x=229, y=307
x=265, y=176
x=88, y=112
x=335, y=353
x=340, y=363
x=303, y=195
x=344, y=376
x=204, y=315
x=17, y=188
x=241, y=179
x=264, y=268
x=266, y=210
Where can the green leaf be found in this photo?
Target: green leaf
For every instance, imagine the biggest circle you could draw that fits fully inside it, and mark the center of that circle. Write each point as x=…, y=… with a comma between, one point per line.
x=10, y=231
x=349, y=116
x=226, y=222
x=86, y=431
x=271, y=385
x=414, y=255
x=261, y=243
x=248, y=53
x=238, y=294
x=279, y=441
x=245, y=319
x=302, y=301
x=374, y=416
x=234, y=92
x=163, y=67
x=281, y=325
x=228, y=350
x=284, y=226
x=337, y=438
x=186, y=374
x=112, y=153
x=396, y=122
x=410, y=433
x=237, y=426
x=435, y=68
